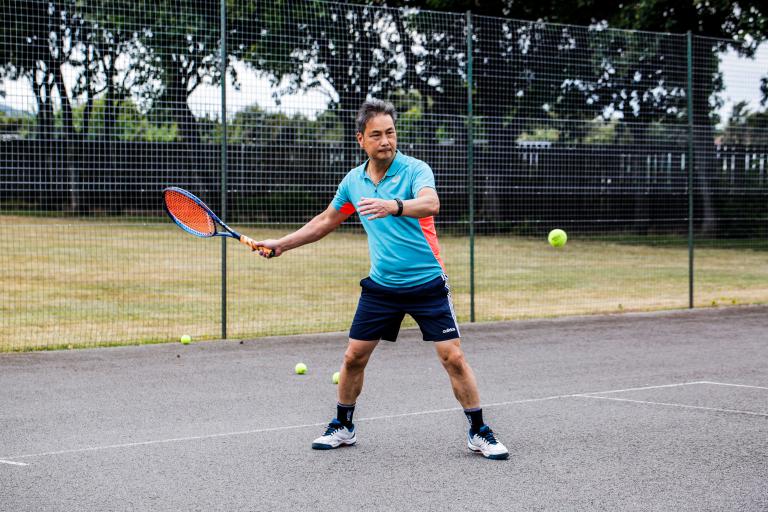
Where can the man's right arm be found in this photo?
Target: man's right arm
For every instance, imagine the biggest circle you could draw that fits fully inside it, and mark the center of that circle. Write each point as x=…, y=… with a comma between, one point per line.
x=312, y=231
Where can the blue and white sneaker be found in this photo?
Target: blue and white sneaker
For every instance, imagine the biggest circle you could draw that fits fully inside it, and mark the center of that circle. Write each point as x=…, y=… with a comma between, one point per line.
x=485, y=442
x=335, y=435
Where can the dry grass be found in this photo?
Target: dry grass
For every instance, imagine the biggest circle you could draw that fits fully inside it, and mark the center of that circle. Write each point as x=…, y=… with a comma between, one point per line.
x=85, y=282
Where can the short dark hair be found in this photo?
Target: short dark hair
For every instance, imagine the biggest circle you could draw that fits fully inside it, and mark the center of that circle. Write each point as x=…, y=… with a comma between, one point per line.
x=371, y=109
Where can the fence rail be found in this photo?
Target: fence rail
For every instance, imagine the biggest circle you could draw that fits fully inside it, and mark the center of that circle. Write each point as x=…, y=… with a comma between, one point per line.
x=619, y=137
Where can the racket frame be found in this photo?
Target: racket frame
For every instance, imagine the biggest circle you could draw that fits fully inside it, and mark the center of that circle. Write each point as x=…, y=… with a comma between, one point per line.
x=216, y=220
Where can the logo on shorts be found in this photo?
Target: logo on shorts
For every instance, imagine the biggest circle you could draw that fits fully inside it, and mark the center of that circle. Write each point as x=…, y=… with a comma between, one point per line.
x=450, y=329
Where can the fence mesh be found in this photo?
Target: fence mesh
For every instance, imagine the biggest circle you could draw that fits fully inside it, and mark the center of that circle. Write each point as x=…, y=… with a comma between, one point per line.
x=730, y=207
x=588, y=129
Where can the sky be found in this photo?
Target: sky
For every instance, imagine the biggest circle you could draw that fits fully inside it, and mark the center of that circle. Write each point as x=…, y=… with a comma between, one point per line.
x=741, y=77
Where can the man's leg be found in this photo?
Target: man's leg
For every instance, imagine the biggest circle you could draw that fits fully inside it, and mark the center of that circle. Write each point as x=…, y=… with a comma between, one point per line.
x=341, y=430
x=462, y=377
x=352, y=370
x=481, y=437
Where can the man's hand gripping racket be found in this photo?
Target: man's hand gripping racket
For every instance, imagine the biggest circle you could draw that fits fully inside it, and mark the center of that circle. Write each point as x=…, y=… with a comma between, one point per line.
x=193, y=216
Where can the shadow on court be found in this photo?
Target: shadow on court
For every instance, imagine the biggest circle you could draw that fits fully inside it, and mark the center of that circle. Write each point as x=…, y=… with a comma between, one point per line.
x=664, y=411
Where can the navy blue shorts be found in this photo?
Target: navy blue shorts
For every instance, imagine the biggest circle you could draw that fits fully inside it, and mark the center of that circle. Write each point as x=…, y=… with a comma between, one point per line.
x=381, y=311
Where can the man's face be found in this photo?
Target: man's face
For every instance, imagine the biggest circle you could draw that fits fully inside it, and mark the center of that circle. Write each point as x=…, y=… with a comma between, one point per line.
x=380, y=138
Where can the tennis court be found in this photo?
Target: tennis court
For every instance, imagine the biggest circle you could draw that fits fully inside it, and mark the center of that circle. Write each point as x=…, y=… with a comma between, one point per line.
x=638, y=129
x=653, y=411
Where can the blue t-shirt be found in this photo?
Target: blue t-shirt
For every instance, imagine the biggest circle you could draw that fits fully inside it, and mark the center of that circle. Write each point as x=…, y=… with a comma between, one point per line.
x=404, y=251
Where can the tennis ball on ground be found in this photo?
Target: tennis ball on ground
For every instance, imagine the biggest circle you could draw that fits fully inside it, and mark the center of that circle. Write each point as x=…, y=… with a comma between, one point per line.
x=186, y=339
x=301, y=368
x=557, y=238
x=335, y=378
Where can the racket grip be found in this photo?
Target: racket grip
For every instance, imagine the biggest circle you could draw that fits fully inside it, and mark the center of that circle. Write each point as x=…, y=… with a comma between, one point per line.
x=250, y=242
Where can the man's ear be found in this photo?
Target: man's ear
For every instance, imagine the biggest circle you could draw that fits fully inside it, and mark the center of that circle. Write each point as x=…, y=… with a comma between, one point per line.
x=360, y=139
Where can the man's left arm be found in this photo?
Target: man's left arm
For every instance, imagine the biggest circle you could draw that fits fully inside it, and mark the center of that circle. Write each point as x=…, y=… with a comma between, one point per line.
x=425, y=204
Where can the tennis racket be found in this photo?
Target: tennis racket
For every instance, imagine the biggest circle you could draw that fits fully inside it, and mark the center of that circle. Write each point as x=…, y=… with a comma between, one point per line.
x=193, y=216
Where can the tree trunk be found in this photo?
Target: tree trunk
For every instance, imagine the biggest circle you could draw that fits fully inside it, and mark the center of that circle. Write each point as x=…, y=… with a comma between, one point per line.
x=86, y=127
x=45, y=119
x=110, y=110
x=70, y=138
x=348, y=105
x=66, y=104
x=177, y=96
x=705, y=64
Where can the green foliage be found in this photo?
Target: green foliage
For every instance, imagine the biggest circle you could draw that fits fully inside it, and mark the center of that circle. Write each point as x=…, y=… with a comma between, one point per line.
x=526, y=71
x=410, y=110
x=20, y=127
x=541, y=135
x=130, y=123
x=741, y=26
x=254, y=125
x=602, y=132
x=134, y=126
x=746, y=128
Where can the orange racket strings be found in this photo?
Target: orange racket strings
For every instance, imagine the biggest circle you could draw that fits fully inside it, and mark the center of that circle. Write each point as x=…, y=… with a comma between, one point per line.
x=189, y=213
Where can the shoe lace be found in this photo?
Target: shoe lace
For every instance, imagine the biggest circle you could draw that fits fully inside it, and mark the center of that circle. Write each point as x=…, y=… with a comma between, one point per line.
x=488, y=436
x=332, y=427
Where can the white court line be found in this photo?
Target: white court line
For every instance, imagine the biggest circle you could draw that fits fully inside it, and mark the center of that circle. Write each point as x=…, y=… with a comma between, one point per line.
x=683, y=406
x=261, y=430
x=162, y=441
x=273, y=429
x=453, y=409
x=733, y=385
x=13, y=463
x=644, y=388
x=293, y=427
x=554, y=397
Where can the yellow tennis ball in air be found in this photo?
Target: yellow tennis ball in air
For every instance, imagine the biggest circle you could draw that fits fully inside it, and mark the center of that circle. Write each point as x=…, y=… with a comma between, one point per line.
x=335, y=378
x=557, y=238
x=186, y=339
x=301, y=368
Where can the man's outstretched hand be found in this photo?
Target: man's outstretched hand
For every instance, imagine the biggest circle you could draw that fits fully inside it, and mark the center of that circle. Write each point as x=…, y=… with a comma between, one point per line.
x=265, y=248
x=376, y=208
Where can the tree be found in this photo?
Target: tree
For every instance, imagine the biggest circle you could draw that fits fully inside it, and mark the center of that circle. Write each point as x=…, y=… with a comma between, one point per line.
x=39, y=39
x=741, y=26
x=351, y=48
x=351, y=52
x=746, y=128
x=113, y=62
x=185, y=37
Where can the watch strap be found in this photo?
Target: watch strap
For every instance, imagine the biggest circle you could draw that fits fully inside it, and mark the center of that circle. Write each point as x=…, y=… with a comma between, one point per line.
x=399, y=207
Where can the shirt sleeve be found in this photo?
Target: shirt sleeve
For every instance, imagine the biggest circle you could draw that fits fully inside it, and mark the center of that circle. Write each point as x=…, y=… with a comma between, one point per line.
x=422, y=177
x=341, y=200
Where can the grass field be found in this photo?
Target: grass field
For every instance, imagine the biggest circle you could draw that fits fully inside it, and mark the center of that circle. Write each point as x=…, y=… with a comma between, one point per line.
x=85, y=282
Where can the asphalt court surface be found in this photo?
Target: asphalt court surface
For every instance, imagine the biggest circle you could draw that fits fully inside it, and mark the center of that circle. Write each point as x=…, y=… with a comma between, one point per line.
x=663, y=411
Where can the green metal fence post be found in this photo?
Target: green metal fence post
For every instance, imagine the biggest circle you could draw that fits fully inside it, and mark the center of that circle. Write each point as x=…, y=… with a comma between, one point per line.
x=224, y=166
x=689, y=94
x=470, y=171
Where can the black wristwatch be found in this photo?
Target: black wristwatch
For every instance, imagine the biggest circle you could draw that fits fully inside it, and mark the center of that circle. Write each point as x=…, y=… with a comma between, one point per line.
x=399, y=207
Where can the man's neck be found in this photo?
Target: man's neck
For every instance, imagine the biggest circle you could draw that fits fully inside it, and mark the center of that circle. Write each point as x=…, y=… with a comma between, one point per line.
x=378, y=168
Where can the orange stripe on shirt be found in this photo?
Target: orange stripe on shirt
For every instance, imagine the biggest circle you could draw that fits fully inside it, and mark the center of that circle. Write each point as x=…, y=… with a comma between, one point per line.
x=430, y=233
x=347, y=209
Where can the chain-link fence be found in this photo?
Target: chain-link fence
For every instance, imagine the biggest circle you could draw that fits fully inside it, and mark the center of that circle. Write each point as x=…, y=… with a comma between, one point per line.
x=622, y=138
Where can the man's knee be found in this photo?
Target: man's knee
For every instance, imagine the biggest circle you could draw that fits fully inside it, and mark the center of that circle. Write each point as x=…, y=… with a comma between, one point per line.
x=453, y=360
x=356, y=359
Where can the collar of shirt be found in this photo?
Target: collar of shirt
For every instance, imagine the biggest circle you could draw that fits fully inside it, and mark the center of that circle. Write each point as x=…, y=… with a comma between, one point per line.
x=394, y=167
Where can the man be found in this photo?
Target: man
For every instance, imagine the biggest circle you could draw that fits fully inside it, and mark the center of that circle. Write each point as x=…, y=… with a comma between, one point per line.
x=395, y=198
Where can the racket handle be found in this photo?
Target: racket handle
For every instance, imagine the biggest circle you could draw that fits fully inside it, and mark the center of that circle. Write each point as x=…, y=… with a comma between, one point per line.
x=250, y=242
